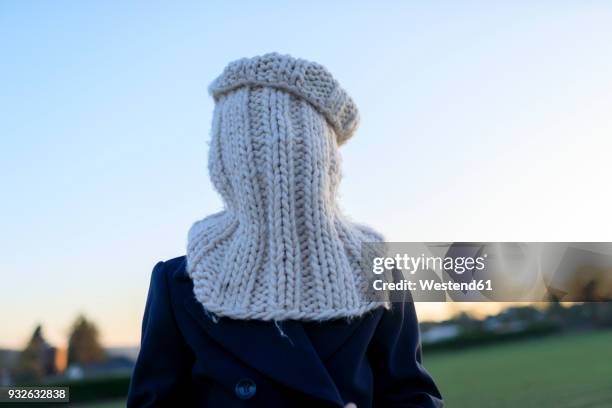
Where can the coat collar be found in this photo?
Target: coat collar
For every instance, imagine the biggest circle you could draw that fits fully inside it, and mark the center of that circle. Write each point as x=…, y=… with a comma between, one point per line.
x=255, y=343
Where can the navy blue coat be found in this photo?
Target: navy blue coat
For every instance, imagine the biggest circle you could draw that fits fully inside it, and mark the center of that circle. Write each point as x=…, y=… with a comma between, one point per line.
x=187, y=359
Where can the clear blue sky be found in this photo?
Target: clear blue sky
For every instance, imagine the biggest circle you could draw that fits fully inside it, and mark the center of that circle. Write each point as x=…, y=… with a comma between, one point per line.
x=480, y=121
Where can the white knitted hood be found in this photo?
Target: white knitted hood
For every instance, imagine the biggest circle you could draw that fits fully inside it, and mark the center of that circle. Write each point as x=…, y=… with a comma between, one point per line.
x=281, y=249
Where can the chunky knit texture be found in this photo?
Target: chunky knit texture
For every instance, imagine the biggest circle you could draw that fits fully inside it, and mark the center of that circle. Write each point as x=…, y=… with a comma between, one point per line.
x=281, y=249
x=308, y=80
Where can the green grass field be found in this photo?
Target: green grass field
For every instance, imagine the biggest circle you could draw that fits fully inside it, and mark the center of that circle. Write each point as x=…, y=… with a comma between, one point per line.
x=563, y=371
x=560, y=371
x=106, y=404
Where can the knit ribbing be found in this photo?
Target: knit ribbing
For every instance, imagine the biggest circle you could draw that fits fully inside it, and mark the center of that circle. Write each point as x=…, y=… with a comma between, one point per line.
x=281, y=249
x=308, y=80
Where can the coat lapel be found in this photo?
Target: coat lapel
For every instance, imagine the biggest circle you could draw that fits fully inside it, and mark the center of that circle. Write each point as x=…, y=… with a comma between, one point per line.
x=289, y=359
x=324, y=344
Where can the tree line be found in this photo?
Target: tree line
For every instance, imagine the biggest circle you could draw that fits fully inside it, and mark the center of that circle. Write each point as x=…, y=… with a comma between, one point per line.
x=38, y=359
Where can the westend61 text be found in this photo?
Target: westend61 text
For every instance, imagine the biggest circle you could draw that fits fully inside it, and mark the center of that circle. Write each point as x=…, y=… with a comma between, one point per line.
x=433, y=285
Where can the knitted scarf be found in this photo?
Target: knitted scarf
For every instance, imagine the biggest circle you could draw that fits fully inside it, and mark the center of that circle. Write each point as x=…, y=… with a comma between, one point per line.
x=281, y=248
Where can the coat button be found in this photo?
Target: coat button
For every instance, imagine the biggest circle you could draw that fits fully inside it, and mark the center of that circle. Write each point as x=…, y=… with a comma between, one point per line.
x=245, y=388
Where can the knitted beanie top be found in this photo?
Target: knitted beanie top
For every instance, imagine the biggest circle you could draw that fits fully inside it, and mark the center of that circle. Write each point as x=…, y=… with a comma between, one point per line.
x=308, y=80
x=281, y=248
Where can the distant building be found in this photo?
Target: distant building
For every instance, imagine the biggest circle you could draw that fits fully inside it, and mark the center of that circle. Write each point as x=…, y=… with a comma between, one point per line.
x=112, y=366
x=440, y=332
x=54, y=360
